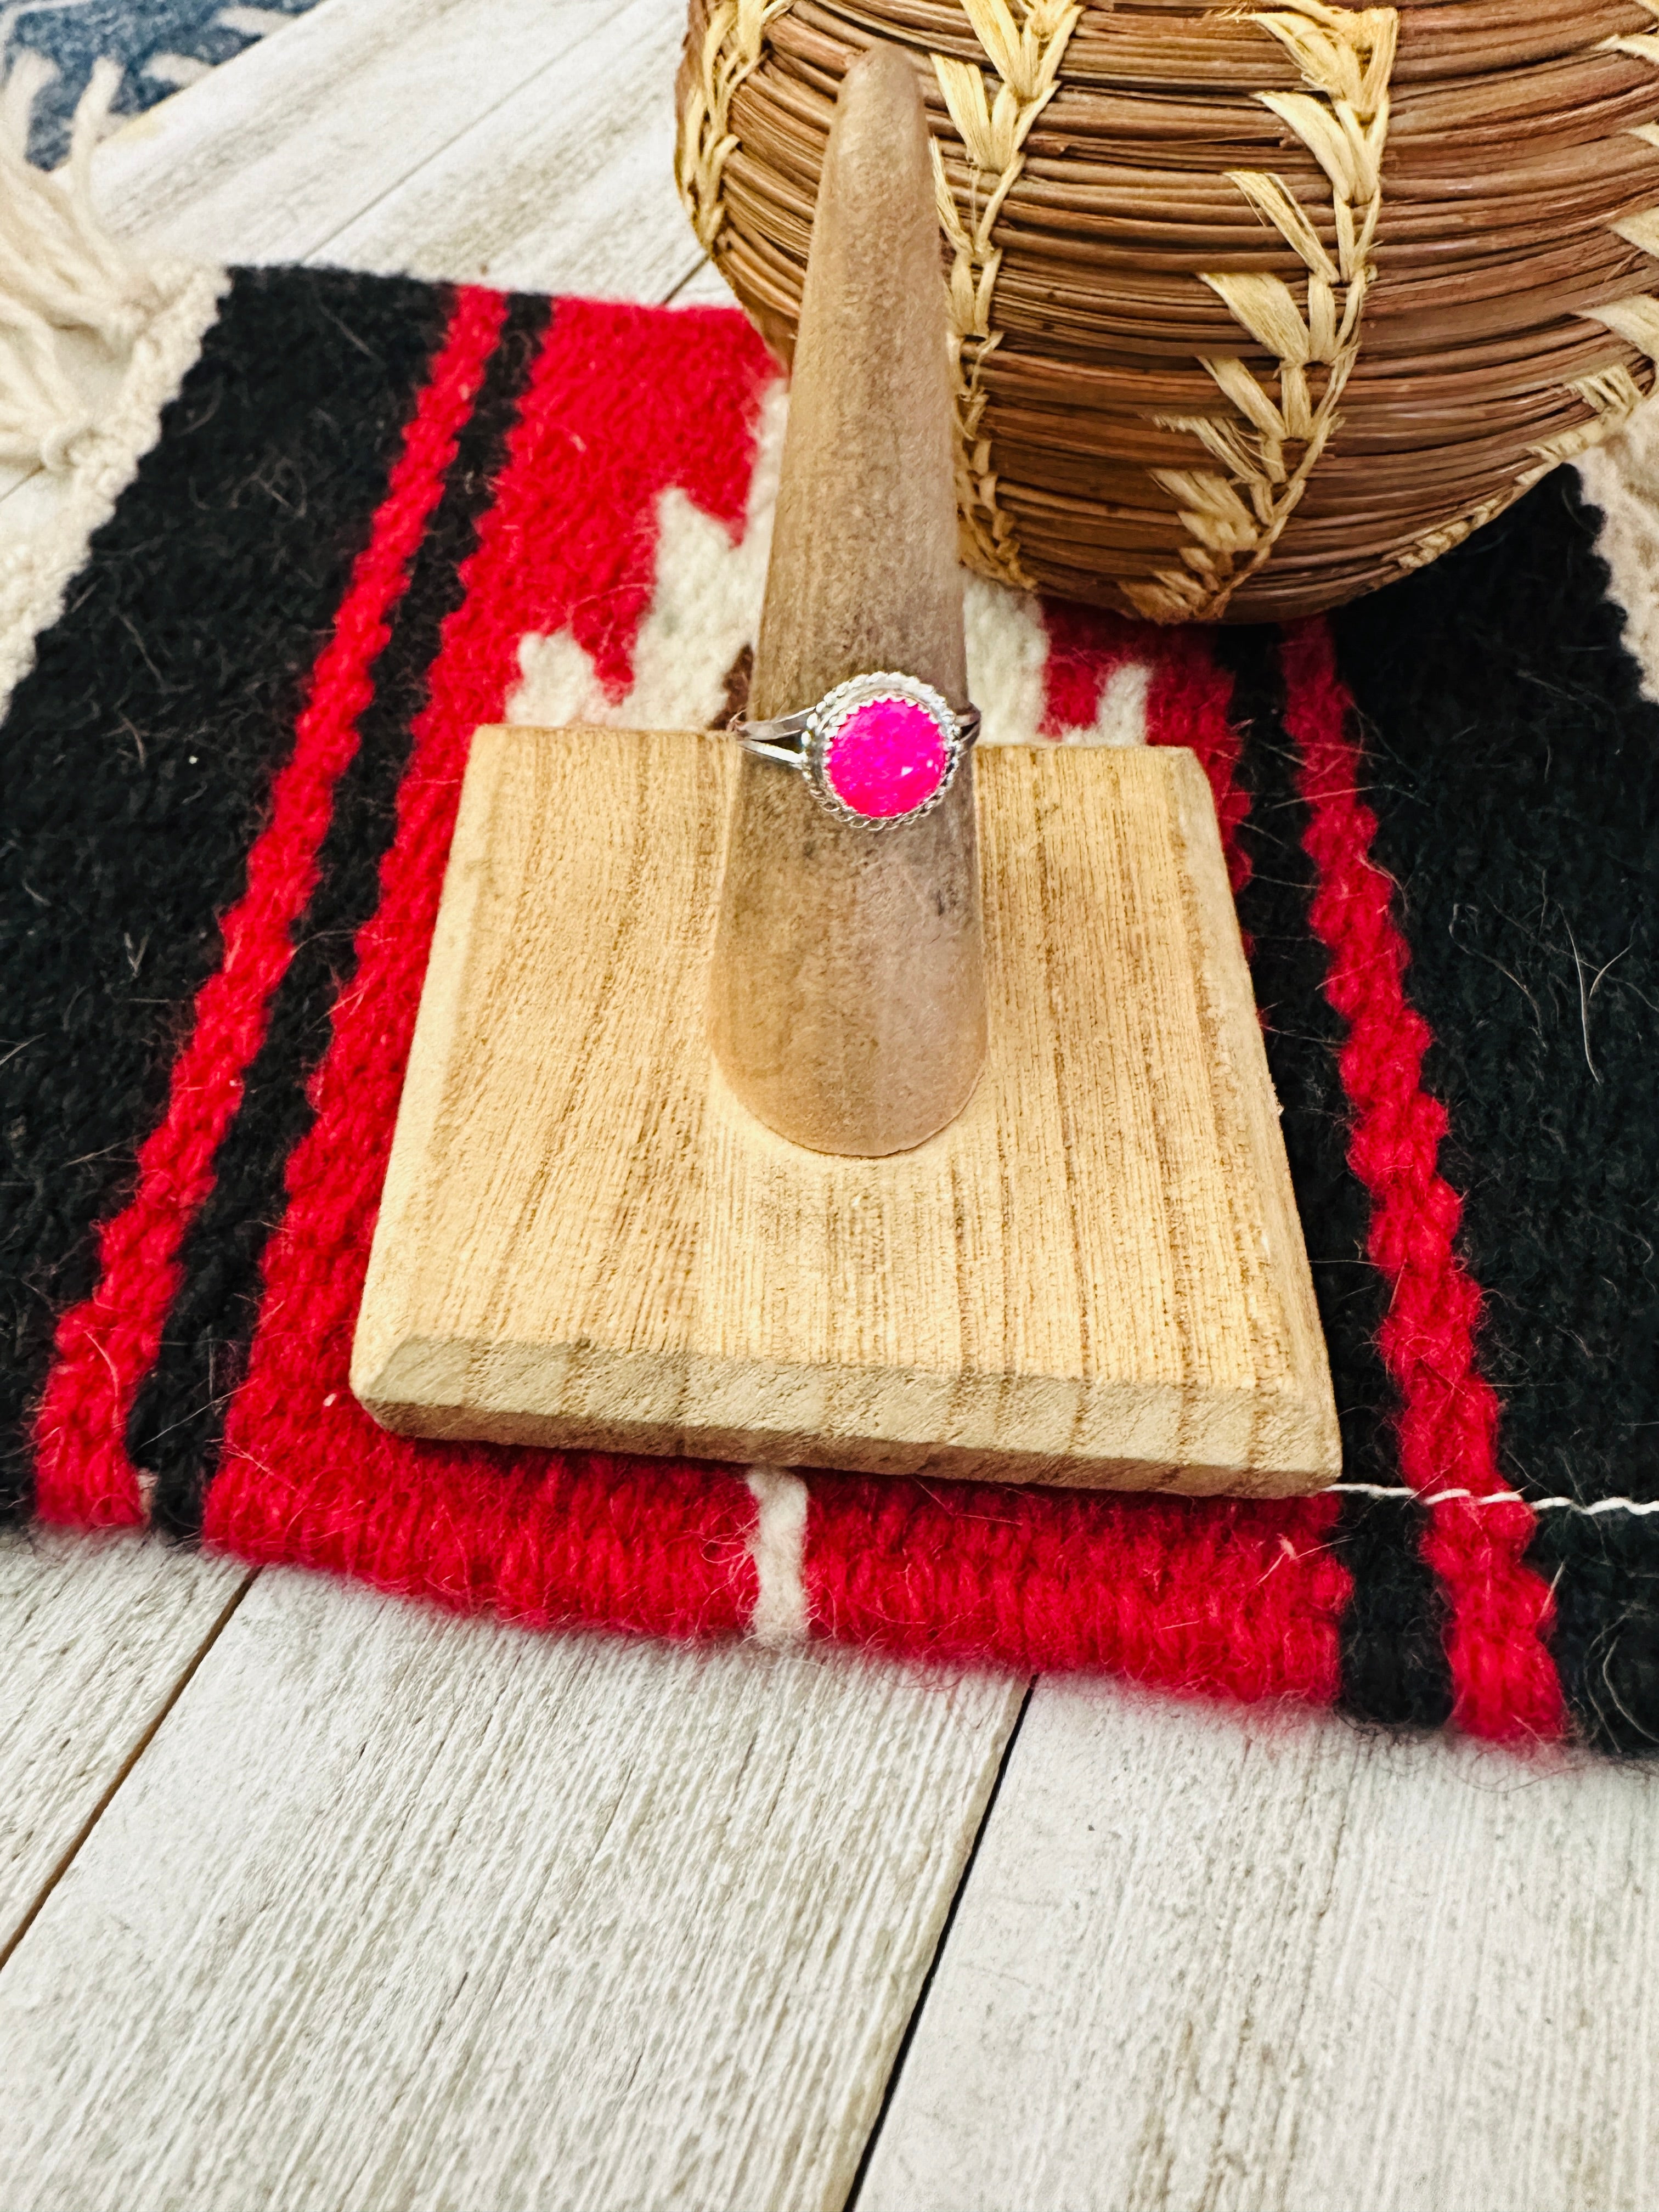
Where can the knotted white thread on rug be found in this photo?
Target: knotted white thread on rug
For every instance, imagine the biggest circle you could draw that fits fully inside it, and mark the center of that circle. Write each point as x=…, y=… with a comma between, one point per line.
x=95, y=339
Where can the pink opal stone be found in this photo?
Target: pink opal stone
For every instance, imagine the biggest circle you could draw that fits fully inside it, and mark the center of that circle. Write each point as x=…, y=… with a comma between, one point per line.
x=886, y=758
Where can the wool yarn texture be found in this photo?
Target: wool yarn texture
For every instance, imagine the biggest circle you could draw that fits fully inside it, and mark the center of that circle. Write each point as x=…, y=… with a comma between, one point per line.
x=369, y=515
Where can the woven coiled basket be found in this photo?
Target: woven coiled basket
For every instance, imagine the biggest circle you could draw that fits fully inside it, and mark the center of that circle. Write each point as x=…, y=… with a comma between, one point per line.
x=1254, y=309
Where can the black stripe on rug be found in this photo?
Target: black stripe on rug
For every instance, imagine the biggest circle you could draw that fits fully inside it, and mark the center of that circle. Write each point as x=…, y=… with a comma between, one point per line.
x=1516, y=789
x=1393, y=1667
x=140, y=751
x=177, y=1421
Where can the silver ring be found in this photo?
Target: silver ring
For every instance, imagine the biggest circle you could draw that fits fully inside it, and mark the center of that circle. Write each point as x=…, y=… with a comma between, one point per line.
x=871, y=768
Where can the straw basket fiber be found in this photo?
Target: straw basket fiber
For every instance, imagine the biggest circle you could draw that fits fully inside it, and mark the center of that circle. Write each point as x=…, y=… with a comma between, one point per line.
x=1253, y=308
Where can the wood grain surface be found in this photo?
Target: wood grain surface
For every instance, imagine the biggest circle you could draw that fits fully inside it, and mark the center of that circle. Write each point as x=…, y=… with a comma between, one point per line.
x=403, y=1911
x=99, y=1633
x=704, y=288
x=817, y=1965
x=568, y=185
x=1234, y=1962
x=275, y=154
x=1095, y=1276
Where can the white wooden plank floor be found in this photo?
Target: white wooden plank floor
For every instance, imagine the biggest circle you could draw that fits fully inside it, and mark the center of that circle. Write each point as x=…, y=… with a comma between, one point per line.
x=100, y=1637
x=404, y=1910
x=540, y=191
x=270, y=157
x=314, y=1899
x=1208, y=1959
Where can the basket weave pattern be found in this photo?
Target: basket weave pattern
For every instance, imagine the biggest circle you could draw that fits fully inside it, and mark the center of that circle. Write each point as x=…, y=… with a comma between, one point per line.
x=1252, y=309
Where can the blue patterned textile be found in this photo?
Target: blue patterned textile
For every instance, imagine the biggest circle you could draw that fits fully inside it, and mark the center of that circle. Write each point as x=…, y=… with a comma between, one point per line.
x=158, y=45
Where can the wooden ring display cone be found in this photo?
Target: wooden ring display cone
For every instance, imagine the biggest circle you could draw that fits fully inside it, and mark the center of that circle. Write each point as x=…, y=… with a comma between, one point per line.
x=848, y=994
x=1044, y=1231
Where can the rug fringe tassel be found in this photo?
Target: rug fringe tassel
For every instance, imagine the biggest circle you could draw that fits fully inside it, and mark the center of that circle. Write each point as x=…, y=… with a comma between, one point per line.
x=62, y=272
x=95, y=338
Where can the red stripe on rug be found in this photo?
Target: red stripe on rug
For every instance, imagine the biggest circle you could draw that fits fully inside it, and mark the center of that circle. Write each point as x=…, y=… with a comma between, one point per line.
x=622, y=403
x=106, y=1345
x=1504, y=1681
x=1190, y=703
x=1087, y=646
x=1188, y=700
x=545, y=1540
x=1208, y=1597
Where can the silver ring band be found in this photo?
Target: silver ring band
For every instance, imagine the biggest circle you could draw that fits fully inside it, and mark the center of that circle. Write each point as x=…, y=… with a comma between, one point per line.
x=877, y=750
x=782, y=739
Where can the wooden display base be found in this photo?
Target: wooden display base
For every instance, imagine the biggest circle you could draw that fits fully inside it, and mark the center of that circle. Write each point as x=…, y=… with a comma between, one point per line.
x=1094, y=1277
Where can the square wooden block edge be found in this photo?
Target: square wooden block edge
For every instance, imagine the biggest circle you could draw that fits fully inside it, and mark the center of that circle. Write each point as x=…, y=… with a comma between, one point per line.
x=416, y=1384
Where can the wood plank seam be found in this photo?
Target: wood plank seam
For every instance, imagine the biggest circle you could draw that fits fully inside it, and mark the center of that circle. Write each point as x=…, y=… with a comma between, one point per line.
x=890, y=2087
x=556, y=67
x=176, y=1690
x=1191, y=1931
x=494, y=1918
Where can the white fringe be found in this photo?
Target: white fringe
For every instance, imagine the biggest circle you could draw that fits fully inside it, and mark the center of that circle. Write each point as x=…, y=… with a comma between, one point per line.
x=94, y=340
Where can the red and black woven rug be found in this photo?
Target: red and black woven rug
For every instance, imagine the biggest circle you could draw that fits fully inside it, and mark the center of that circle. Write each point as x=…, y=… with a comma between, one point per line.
x=380, y=513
